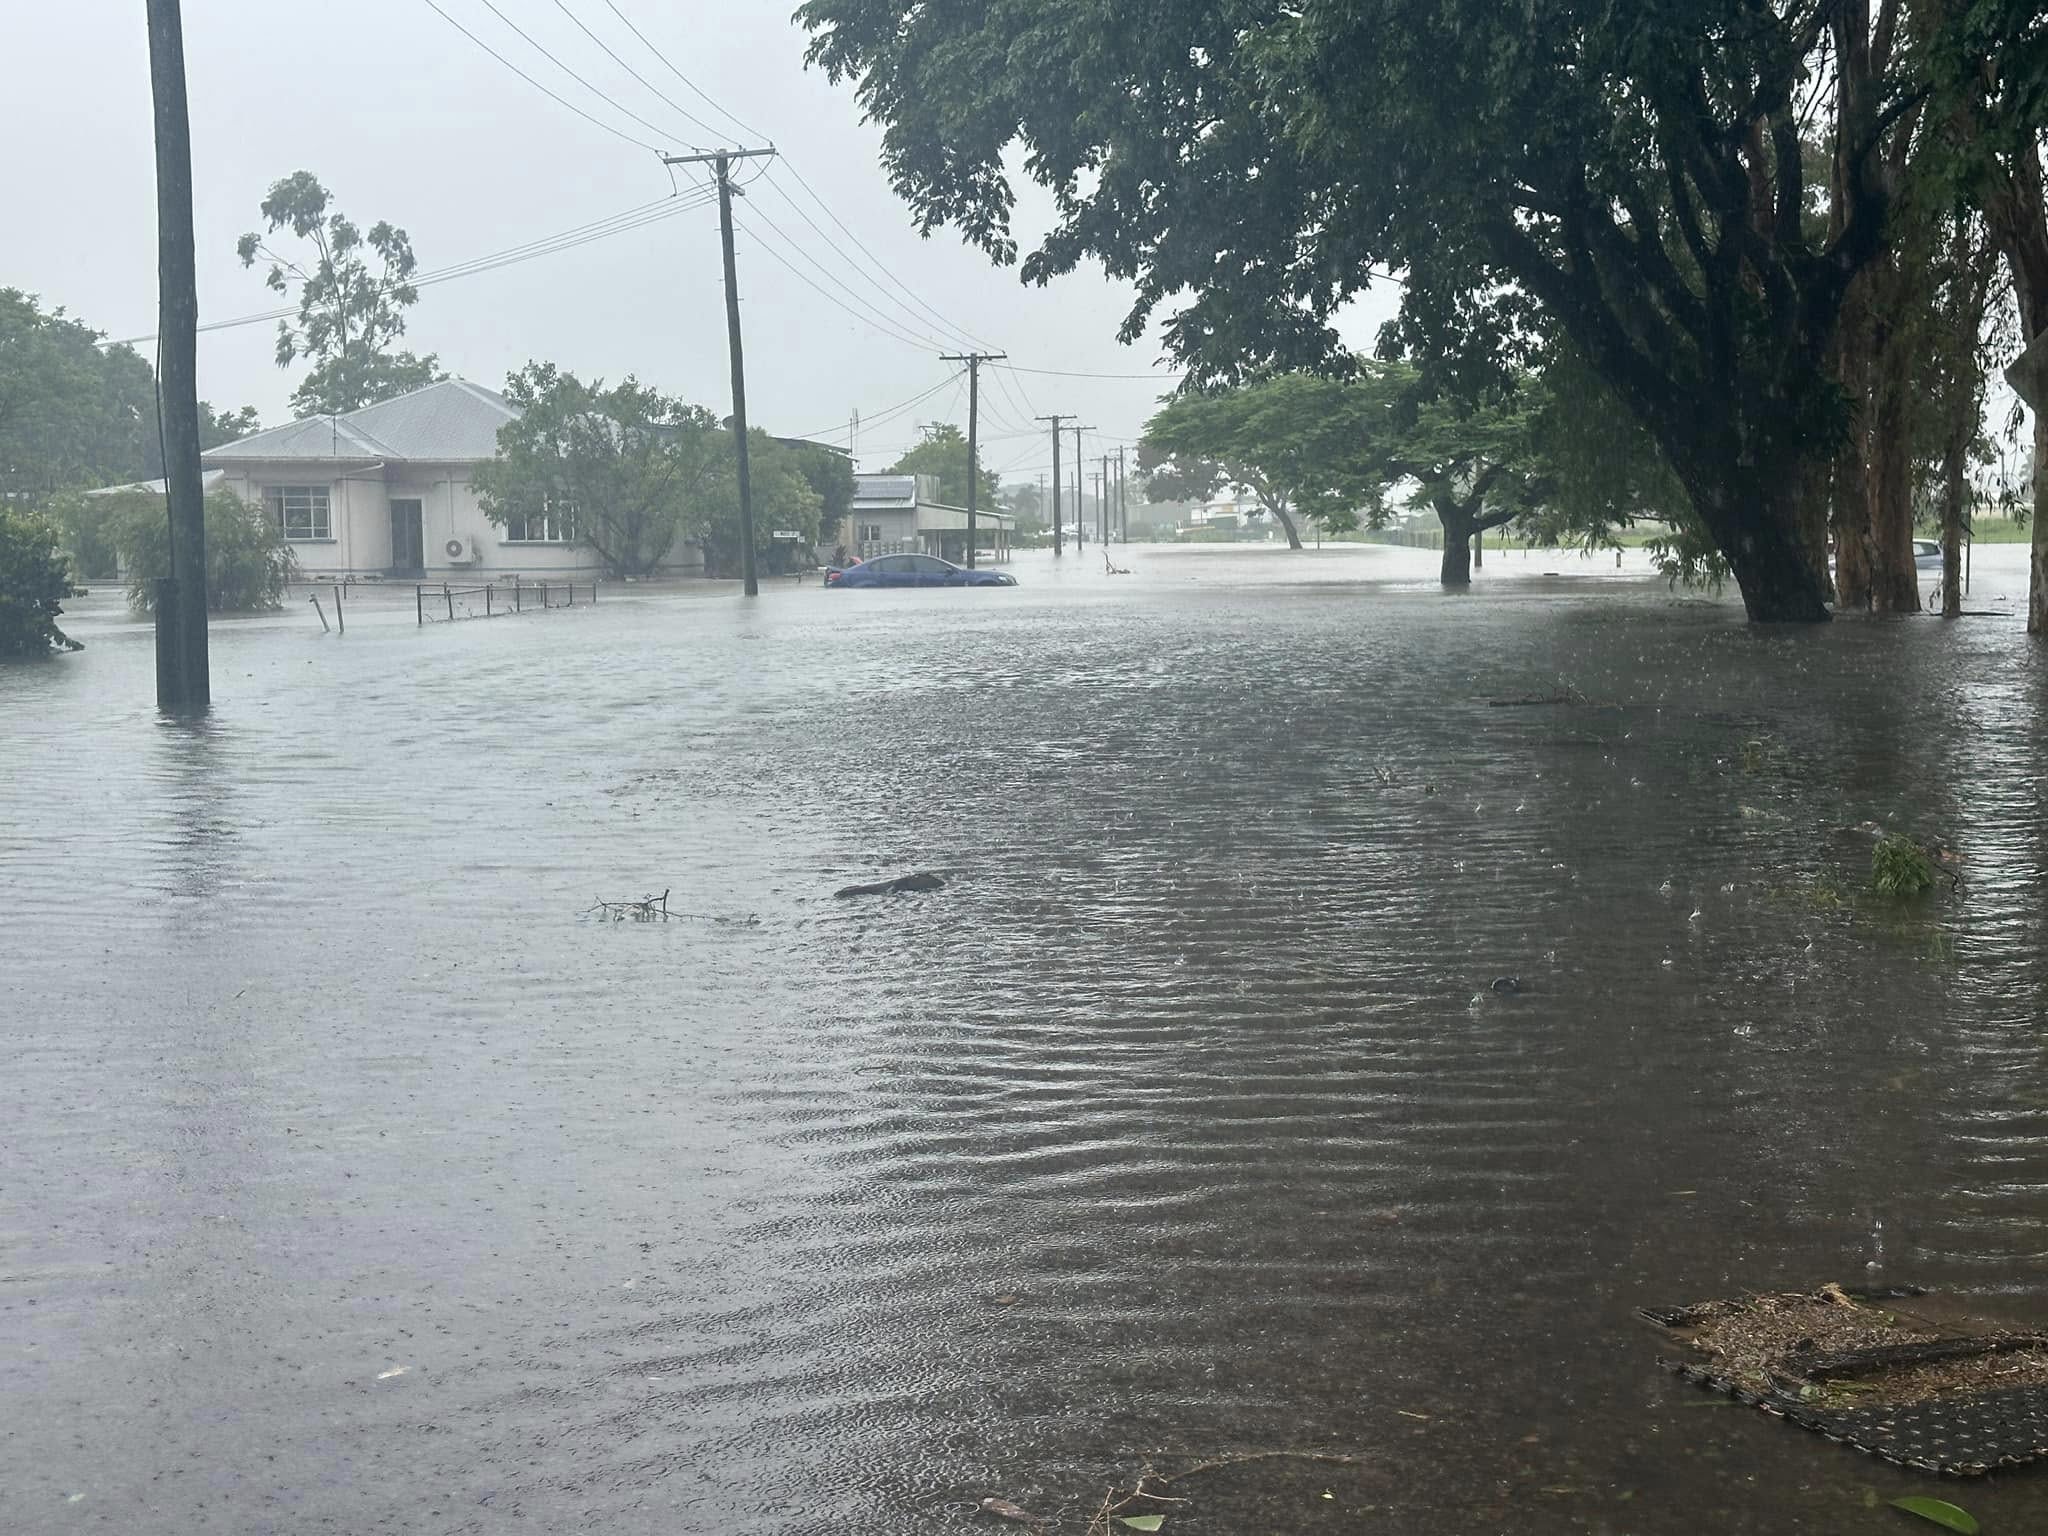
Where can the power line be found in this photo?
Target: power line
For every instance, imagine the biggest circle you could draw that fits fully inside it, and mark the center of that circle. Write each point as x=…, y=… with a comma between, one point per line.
x=894, y=410
x=546, y=245
x=930, y=341
x=881, y=266
x=867, y=319
x=1070, y=373
x=491, y=6
x=916, y=320
x=670, y=102
x=721, y=111
x=615, y=132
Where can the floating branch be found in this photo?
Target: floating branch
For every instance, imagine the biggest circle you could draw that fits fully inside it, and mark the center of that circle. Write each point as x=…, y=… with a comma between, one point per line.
x=655, y=909
x=648, y=909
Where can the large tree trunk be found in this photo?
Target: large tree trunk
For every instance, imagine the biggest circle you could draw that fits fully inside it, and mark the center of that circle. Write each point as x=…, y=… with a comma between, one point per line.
x=1286, y=523
x=1816, y=490
x=1955, y=454
x=2037, y=581
x=1894, y=581
x=1753, y=514
x=1849, y=509
x=1457, y=565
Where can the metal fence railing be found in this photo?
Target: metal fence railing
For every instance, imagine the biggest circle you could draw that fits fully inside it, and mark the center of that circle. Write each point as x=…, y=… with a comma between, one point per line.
x=445, y=603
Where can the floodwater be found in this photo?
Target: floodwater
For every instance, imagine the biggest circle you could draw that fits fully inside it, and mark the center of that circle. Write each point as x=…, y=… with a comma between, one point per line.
x=355, y=1181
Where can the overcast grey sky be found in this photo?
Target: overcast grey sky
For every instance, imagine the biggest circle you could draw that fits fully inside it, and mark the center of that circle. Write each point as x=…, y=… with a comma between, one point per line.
x=405, y=119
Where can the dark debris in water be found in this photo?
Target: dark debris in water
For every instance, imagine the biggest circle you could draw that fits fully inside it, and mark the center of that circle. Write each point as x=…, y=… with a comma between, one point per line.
x=923, y=880
x=1963, y=1397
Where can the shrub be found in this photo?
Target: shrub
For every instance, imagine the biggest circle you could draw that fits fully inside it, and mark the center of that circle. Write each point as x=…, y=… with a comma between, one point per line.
x=34, y=581
x=1901, y=867
x=247, y=559
x=89, y=526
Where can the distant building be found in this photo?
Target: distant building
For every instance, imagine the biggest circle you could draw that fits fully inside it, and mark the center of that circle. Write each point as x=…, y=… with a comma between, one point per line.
x=898, y=514
x=387, y=491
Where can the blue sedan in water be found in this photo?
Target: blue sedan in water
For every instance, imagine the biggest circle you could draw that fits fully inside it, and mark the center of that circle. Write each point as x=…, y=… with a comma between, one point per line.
x=915, y=571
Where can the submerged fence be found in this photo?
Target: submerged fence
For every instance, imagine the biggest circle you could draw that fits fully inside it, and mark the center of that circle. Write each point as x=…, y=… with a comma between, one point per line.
x=444, y=604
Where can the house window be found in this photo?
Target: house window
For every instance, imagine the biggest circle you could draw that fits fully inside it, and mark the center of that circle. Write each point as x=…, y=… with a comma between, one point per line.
x=553, y=524
x=300, y=511
x=870, y=533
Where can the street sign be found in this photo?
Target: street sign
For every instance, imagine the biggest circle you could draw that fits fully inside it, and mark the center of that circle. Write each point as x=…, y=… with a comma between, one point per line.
x=787, y=535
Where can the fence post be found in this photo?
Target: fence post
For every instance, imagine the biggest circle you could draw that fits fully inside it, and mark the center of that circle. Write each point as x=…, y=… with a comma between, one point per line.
x=314, y=599
x=445, y=592
x=489, y=588
x=340, y=623
x=515, y=594
x=419, y=604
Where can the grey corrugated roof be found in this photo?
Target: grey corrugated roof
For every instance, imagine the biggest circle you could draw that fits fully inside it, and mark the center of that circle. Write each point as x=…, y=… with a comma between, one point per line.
x=209, y=480
x=885, y=490
x=453, y=421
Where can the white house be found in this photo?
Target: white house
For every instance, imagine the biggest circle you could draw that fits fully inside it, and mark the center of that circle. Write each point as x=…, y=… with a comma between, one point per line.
x=891, y=514
x=386, y=490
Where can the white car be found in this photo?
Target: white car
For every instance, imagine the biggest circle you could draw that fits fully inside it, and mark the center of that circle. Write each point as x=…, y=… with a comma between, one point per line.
x=1926, y=555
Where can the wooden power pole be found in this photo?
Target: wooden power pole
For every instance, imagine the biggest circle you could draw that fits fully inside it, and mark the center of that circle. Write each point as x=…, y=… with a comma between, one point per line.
x=182, y=681
x=721, y=162
x=1080, y=503
x=1123, y=503
x=973, y=360
x=1058, y=534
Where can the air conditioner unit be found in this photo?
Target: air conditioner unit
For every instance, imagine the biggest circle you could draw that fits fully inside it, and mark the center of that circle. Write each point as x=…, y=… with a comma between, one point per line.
x=460, y=551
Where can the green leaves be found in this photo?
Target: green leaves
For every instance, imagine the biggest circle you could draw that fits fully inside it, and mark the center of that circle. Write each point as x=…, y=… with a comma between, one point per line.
x=34, y=580
x=350, y=317
x=944, y=453
x=1901, y=867
x=640, y=473
x=1940, y=1512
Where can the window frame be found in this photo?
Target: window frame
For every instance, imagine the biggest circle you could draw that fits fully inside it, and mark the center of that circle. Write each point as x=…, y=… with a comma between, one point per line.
x=556, y=521
x=318, y=510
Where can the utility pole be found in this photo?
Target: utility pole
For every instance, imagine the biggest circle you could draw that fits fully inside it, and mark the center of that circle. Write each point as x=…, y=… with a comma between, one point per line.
x=182, y=682
x=1059, y=538
x=973, y=360
x=1123, y=502
x=1102, y=501
x=721, y=161
x=1080, y=505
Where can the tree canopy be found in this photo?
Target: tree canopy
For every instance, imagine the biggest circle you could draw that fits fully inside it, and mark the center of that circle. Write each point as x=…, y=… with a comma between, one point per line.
x=1632, y=177
x=633, y=473
x=1303, y=444
x=75, y=413
x=626, y=468
x=34, y=581
x=248, y=562
x=944, y=453
x=350, y=315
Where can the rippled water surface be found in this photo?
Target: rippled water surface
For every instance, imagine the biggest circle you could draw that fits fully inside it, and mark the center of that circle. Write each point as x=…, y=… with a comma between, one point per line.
x=354, y=1181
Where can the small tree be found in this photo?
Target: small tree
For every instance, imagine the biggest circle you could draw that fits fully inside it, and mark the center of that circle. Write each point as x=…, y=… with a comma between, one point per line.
x=944, y=453
x=248, y=563
x=783, y=499
x=627, y=468
x=350, y=317
x=1297, y=442
x=34, y=581
x=828, y=472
